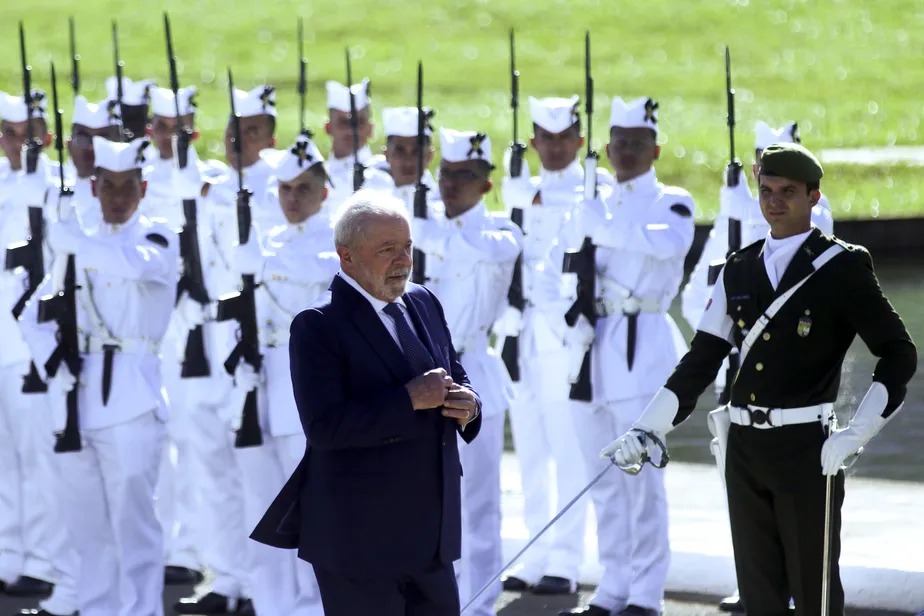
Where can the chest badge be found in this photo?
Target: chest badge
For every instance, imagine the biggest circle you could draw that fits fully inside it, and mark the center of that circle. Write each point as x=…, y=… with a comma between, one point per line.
x=804, y=326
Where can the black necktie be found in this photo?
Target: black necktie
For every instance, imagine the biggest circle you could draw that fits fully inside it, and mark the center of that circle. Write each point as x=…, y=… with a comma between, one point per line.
x=416, y=353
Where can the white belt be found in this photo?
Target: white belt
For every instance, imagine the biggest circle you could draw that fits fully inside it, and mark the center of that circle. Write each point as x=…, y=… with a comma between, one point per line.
x=607, y=306
x=139, y=346
x=764, y=418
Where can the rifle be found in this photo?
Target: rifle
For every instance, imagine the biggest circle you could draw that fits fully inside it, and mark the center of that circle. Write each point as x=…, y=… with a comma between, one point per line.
x=119, y=65
x=583, y=262
x=195, y=363
x=732, y=177
x=419, y=272
x=358, y=168
x=32, y=145
x=591, y=158
x=517, y=148
x=302, y=81
x=30, y=253
x=61, y=307
x=75, y=58
x=510, y=352
x=242, y=306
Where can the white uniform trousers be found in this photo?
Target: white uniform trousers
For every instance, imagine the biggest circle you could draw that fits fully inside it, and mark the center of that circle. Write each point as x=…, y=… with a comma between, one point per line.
x=481, y=515
x=109, y=495
x=217, y=477
x=631, y=512
x=178, y=502
x=281, y=582
x=52, y=528
x=25, y=520
x=543, y=431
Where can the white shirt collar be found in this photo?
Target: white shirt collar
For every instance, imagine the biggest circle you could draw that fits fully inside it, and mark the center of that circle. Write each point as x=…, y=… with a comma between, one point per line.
x=473, y=217
x=377, y=304
x=573, y=170
x=649, y=179
x=364, y=154
x=772, y=244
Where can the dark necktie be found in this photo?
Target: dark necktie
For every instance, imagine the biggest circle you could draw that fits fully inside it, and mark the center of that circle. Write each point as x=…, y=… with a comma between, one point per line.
x=416, y=353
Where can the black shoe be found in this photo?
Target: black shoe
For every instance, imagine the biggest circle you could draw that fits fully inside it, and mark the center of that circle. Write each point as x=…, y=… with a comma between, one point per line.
x=552, y=585
x=38, y=612
x=181, y=576
x=514, y=584
x=634, y=610
x=732, y=604
x=211, y=604
x=587, y=610
x=27, y=586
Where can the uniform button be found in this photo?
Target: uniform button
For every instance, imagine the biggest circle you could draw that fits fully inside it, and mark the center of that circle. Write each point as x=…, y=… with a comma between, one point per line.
x=759, y=366
x=753, y=398
x=766, y=336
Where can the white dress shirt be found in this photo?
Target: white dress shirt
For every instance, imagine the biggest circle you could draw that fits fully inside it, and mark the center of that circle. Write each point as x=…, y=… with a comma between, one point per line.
x=779, y=253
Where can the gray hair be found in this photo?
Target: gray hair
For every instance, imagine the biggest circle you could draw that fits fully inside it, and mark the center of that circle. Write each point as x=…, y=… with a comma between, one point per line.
x=358, y=211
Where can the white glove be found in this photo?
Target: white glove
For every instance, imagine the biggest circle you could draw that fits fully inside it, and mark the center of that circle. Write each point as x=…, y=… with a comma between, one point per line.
x=578, y=340
x=62, y=382
x=248, y=258
x=590, y=215
x=65, y=237
x=524, y=169
x=510, y=323
x=657, y=418
x=866, y=423
x=191, y=312
x=245, y=377
x=518, y=192
x=187, y=182
x=31, y=188
x=735, y=201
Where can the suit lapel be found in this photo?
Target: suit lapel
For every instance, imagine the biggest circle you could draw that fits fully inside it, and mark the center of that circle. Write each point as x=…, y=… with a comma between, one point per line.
x=801, y=264
x=372, y=328
x=764, y=291
x=417, y=311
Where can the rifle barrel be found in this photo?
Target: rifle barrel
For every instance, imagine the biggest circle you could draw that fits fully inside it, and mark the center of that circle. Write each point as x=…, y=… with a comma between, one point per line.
x=75, y=57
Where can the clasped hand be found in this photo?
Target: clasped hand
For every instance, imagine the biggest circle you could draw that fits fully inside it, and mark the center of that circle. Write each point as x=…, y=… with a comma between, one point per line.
x=435, y=389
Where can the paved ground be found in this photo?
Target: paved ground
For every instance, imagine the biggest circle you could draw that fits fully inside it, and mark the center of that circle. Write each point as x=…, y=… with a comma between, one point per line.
x=510, y=604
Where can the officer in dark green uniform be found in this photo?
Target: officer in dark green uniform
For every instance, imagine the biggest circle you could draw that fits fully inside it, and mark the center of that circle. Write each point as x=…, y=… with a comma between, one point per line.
x=792, y=304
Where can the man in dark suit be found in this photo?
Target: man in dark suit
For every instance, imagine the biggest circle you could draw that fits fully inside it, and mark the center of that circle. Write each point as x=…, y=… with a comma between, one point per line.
x=375, y=503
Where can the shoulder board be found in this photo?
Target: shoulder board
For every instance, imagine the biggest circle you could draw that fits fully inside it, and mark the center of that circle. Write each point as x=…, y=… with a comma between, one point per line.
x=682, y=209
x=848, y=246
x=157, y=238
x=750, y=249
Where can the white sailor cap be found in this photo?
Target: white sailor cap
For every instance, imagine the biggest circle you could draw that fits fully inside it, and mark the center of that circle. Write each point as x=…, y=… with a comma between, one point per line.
x=114, y=156
x=458, y=146
x=163, y=105
x=402, y=121
x=338, y=96
x=638, y=113
x=94, y=115
x=13, y=108
x=259, y=101
x=555, y=115
x=134, y=93
x=289, y=164
x=765, y=135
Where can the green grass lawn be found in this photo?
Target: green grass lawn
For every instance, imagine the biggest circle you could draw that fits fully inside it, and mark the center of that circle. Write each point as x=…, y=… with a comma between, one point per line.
x=847, y=70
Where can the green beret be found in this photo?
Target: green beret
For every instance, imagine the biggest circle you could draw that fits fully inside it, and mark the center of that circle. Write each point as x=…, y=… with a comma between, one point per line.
x=791, y=160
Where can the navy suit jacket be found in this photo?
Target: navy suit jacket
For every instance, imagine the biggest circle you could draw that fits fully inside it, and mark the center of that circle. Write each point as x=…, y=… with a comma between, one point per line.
x=378, y=490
